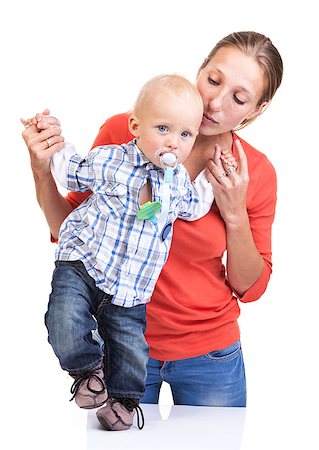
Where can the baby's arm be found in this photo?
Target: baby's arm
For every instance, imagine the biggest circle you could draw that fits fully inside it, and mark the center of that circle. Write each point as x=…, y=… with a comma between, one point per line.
x=65, y=167
x=78, y=173
x=199, y=198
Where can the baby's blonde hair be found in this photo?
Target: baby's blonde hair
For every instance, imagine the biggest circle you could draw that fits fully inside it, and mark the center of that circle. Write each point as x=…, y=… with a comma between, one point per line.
x=174, y=83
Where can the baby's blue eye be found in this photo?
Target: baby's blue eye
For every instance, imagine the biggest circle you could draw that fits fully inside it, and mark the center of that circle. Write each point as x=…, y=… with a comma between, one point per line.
x=185, y=133
x=163, y=128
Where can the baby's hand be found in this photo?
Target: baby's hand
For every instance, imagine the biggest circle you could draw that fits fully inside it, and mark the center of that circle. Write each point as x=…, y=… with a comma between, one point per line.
x=42, y=121
x=228, y=160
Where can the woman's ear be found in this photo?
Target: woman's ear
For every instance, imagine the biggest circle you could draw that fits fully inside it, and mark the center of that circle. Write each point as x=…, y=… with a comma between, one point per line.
x=134, y=125
x=263, y=106
x=260, y=109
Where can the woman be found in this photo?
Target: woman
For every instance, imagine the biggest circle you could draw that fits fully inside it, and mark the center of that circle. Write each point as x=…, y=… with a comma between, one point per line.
x=192, y=324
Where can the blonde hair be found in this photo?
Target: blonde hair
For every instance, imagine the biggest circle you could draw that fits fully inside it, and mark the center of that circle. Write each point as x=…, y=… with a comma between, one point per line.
x=173, y=83
x=266, y=55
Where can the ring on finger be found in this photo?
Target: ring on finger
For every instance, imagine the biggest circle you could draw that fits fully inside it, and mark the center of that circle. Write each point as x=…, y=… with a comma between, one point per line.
x=230, y=170
x=49, y=142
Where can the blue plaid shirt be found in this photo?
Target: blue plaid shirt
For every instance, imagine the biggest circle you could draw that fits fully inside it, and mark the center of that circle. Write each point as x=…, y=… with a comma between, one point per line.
x=124, y=255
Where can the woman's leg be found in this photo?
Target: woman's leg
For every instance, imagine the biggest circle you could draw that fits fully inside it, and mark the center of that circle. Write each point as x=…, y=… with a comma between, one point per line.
x=153, y=382
x=215, y=379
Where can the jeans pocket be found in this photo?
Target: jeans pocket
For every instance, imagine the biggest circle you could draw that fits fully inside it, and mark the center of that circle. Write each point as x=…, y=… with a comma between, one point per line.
x=225, y=355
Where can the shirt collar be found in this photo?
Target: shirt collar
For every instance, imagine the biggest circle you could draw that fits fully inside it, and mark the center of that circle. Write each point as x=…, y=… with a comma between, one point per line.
x=136, y=157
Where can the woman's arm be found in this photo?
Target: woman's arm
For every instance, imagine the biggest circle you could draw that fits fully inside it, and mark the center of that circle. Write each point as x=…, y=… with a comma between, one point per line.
x=245, y=264
x=52, y=203
x=54, y=206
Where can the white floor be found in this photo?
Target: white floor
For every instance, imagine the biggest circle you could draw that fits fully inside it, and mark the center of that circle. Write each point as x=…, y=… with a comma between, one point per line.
x=173, y=427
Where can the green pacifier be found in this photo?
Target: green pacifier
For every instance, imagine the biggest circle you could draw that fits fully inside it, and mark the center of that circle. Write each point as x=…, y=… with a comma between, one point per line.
x=148, y=211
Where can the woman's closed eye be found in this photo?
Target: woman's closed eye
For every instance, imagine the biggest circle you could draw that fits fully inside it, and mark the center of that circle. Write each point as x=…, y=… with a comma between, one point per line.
x=238, y=101
x=213, y=82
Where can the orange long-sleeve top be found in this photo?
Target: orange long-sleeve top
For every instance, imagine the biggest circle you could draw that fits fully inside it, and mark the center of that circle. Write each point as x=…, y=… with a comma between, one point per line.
x=193, y=310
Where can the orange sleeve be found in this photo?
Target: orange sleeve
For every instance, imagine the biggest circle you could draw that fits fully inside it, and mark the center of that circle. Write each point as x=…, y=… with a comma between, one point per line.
x=113, y=131
x=261, y=211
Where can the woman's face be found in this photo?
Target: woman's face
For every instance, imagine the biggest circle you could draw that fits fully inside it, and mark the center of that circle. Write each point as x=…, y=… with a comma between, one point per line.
x=230, y=85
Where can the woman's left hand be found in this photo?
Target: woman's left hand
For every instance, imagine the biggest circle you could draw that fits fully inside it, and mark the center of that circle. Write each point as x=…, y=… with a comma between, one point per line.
x=229, y=185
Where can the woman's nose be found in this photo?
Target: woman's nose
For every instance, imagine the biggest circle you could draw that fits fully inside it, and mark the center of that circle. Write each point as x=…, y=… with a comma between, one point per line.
x=215, y=103
x=216, y=100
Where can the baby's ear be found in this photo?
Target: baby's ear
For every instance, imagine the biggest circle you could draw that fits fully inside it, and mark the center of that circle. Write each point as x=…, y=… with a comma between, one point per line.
x=134, y=125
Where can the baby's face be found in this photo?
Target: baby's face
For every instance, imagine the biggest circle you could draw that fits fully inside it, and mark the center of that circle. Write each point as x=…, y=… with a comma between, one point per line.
x=169, y=122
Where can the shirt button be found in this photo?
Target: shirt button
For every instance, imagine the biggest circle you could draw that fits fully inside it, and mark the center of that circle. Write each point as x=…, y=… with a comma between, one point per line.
x=166, y=230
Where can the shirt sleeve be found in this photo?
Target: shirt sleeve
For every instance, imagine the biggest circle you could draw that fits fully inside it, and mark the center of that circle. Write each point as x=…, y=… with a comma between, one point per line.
x=199, y=199
x=261, y=212
x=96, y=171
x=72, y=171
x=60, y=162
x=113, y=131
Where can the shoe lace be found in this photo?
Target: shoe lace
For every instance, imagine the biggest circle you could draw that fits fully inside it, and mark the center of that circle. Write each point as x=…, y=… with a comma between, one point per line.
x=86, y=376
x=130, y=404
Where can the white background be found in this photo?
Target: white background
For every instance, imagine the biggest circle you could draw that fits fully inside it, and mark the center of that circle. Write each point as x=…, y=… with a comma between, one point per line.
x=86, y=60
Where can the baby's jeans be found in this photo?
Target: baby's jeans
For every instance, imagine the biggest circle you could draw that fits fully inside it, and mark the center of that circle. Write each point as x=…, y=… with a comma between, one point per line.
x=76, y=307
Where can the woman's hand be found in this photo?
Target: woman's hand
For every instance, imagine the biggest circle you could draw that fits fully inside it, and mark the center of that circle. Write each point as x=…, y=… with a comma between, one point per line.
x=244, y=263
x=42, y=136
x=229, y=184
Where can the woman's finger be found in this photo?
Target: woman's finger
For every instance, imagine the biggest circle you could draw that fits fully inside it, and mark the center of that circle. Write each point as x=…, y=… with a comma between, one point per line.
x=217, y=156
x=50, y=142
x=217, y=171
x=24, y=122
x=222, y=165
x=40, y=140
x=242, y=161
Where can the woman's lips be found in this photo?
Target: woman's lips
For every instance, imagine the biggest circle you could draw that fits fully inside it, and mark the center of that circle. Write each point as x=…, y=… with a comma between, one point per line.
x=208, y=119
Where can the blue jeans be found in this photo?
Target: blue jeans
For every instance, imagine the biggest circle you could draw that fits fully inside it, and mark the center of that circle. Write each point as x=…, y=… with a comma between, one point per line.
x=215, y=379
x=75, y=308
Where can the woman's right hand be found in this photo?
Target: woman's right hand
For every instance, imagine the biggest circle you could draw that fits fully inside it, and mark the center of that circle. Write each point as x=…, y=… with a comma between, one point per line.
x=42, y=136
x=230, y=182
